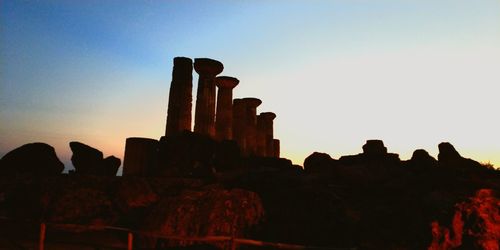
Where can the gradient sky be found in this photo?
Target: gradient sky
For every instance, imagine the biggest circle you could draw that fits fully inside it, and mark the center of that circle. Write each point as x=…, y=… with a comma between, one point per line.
x=413, y=73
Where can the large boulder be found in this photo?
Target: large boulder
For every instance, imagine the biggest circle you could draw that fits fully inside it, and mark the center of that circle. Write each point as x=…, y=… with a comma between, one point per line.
x=421, y=161
x=374, y=148
x=88, y=160
x=33, y=158
x=318, y=162
x=449, y=158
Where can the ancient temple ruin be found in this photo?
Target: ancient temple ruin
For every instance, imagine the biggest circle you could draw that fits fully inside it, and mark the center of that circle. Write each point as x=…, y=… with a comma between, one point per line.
x=217, y=118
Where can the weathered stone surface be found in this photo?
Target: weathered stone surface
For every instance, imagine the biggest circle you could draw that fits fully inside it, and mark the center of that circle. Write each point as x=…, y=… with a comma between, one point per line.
x=88, y=160
x=207, y=212
x=224, y=115
x=180, y=97
x=250, y=125
x=133, y=192
x=207, y=69
x=141, y=156
x=475, y=225
x=83, y=206
x=33, y=158
x=318, y=162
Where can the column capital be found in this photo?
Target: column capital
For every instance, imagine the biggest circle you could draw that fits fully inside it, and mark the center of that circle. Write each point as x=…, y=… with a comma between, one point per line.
x=252, y=102
x=207, y=66
x=180, y=60
x=226, y=82
x=267, y=116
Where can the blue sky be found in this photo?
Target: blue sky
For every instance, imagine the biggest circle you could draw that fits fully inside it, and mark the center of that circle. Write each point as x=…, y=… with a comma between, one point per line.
x=413, y=73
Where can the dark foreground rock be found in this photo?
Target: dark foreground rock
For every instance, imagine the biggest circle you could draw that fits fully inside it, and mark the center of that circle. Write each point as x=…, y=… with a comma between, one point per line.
x=89, y=161
x=32, y=158
x=365, y=201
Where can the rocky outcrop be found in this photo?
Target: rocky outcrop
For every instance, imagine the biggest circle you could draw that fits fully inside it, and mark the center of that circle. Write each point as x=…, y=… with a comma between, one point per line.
x=318, y=162
x=421, y=161
x=90, y=161
x=33, y=158
x=475, y=225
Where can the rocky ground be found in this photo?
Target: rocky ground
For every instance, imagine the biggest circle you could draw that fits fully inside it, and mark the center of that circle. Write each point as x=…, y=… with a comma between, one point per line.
x=372, y=200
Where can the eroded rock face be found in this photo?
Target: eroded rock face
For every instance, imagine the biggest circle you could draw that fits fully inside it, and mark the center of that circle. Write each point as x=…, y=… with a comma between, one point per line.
x=449, y=158
x=209, y=212
x=475, y=225
x=90, y=161
x=83, y=206
x=33, y=158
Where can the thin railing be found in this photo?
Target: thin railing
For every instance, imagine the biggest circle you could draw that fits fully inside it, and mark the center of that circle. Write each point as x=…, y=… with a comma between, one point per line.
x=232, y=241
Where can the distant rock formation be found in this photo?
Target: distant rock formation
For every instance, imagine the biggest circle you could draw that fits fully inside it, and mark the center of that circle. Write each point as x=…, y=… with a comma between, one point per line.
x=421, y=161
x=449, y=157
x=88, y=160
x=374, y=151
x=318, y=162
x=33, y=158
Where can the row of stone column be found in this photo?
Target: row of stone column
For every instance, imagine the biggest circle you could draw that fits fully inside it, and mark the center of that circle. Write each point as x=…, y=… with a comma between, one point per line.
x=221, y=120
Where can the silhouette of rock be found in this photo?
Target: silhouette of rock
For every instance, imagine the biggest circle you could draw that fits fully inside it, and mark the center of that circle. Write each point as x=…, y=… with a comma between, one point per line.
x=33, y=158
x=318, y=162
x=374, y=148
x=110, y=165
x=421, y=160
x=447, y=153
x=88, y=160
x=475, y=225
x=449, y=158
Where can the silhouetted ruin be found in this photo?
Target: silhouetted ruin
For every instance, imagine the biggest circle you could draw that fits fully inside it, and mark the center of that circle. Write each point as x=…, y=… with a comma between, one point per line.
x=226, y=179
x=181, y=153
x=88, y=160
x=181, y=96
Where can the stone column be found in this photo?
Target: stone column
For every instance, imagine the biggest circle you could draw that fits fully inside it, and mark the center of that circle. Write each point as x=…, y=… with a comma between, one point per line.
x=207, y=69
x=224, y=115
x=265, y=134
x=141, y=156
x=250, y=126
x=276, y=148
x=180, y=97
x=239, y=112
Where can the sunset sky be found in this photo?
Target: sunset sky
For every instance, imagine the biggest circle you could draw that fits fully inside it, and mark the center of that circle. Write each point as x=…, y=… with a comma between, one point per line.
x=413, y=73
